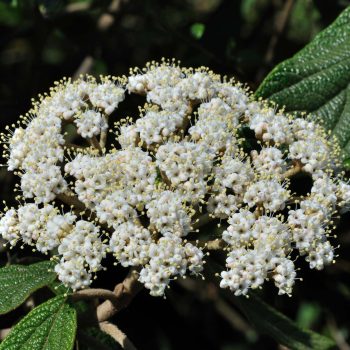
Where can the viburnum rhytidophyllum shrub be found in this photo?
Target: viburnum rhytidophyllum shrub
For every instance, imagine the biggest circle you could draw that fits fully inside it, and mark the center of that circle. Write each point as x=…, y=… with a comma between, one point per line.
x=201, y=149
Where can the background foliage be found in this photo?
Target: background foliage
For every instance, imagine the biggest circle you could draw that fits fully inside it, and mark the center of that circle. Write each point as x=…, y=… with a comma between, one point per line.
x=44, y=40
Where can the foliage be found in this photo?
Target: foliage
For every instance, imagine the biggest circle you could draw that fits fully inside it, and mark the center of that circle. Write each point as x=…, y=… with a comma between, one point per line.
x=50, y=326
x=25, y=280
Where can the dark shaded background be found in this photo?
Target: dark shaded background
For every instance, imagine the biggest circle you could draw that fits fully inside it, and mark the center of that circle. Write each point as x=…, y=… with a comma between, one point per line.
x=42, y=41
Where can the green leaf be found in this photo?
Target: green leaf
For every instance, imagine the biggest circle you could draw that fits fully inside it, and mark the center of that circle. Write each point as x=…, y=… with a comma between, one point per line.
x=18, y=282
x=197, y=30
x=316, y=80
x=307, y=314
x=50, y=326
x=271, y=322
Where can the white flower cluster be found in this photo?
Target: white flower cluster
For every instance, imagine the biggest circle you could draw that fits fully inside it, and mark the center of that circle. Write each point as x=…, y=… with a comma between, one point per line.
x=167, y=214
x=261, y=246
x=81, y=248
x=169, y=257
x=155, y=125
x=78, y=243
x=216, y=133
x=201, y=150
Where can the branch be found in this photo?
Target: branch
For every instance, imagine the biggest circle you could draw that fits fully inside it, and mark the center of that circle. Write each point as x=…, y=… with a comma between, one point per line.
x=103, y=140
x=216, y=244
x=125, y=292
x=4, y=332
x=292, y=171
x=94, y=143
x=92, y=293
x=117, y=335
x=71, y=200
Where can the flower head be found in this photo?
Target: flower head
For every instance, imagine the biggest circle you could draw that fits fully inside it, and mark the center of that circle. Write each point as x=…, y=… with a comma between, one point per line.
x=200, y=149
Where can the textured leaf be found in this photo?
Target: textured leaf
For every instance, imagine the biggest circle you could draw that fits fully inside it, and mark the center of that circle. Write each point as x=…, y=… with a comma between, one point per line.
x=271, y=322
x=19, y=281
x=50, y=326
x=317, y=79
